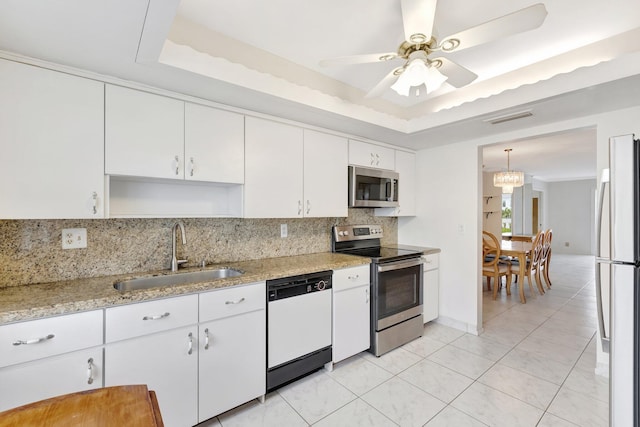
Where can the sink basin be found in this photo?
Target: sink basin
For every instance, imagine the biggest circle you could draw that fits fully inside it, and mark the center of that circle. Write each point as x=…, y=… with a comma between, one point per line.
x=176, y=279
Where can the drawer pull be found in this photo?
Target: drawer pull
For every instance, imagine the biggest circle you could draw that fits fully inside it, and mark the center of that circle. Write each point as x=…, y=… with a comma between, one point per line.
x=90, y=371
x=156, y=317
x=206, y=339
x=357, y=276
x=235, y=302
x=190, y=343
x=34, y=341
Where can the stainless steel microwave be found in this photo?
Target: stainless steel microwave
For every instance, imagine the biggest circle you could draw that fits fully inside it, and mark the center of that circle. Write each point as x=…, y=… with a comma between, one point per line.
x=372, y=188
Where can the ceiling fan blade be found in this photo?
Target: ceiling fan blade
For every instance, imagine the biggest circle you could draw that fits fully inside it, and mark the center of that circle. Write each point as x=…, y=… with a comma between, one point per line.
x=457, y=75
x=358, y=59
x=517, y=22
x=384, y=84
x=417, y=18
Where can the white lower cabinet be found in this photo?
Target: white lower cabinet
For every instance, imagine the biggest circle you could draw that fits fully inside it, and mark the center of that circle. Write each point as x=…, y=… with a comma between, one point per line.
x=167, y=362
x=43, y=358
x=431, y=287
x=232, y=348
x=155, y=343
x=351, y=312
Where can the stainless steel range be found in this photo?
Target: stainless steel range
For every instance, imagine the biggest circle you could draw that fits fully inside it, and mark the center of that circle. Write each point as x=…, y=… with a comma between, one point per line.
x=396, y=285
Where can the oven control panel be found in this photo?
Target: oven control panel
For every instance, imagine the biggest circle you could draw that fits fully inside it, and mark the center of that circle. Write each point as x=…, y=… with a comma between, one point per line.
x=344, y=233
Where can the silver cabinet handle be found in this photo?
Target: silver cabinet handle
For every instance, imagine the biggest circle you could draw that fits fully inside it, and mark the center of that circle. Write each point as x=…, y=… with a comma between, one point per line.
x=238, y=301
x=90, y=371
x=299, y=207
x=193, y=166
x=177, y=160
x=157, y=316
x=34, y=340
x=373, y=159
x=377, y=159
x=308, y=207
x=353, y=277
x=206, y=339
x=366, y=292
x=190, y=343
x=94, y=197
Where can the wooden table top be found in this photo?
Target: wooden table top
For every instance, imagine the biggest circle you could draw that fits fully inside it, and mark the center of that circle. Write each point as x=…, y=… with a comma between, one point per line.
x=130, y=405
x=515, y=247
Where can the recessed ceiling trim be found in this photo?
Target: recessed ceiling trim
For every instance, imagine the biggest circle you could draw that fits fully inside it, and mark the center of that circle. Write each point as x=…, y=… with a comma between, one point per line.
x=509, y=117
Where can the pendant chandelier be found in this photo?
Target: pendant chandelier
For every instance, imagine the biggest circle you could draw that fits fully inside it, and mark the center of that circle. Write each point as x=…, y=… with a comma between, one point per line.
x=509, y=179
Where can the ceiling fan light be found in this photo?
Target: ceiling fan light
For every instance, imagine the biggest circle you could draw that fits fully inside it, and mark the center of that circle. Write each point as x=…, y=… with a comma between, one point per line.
x=417, y=73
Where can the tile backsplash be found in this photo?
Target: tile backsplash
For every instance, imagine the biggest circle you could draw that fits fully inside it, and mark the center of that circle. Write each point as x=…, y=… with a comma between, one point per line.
x=31, y=251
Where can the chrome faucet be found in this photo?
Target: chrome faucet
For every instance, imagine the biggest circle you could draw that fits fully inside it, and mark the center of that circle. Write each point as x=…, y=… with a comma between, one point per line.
x=175, y=263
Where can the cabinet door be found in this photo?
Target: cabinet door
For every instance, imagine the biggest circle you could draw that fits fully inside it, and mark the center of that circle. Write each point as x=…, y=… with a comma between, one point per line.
x=273, y=170
x=167, y=362
x=405, y=165
x=49, y=377
x=431, y=287
x=232, y=362
x=214, y=145
x=144, y=134
x=52, y=137
x=371, y=155
x=325, y=175
x=351, y=322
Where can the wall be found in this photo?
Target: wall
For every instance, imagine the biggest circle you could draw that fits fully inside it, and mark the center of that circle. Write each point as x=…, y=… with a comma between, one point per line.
x=449, y=217
x=442, y=209
x=572, y=216
x=491, y=222
x=30, y=250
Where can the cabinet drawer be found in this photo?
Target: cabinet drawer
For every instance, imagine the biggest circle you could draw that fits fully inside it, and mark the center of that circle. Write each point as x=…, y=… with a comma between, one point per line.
x=352, y=277
x=232, y=301
x=35, y=339
x=149, y=317
x=431, y=261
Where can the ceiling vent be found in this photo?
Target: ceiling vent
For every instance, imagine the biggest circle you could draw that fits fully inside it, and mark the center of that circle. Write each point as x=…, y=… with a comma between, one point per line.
x=509, y=117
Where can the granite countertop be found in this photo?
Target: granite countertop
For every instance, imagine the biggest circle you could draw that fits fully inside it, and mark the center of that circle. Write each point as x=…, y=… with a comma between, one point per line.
x=19, y=303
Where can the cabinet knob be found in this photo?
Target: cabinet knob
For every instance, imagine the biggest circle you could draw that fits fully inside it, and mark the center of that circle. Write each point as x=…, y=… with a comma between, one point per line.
x=90, y=371
x=177, y=164
x=206, y=339
x=94, y=198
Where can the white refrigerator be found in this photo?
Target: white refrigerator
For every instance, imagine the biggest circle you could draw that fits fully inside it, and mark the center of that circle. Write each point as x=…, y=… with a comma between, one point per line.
x=618, y=277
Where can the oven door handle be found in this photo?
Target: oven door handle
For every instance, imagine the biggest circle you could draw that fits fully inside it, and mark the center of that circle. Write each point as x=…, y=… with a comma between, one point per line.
x=400, y=265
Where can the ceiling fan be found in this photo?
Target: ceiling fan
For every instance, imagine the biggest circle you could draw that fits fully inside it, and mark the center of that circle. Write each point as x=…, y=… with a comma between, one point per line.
x=420, y=70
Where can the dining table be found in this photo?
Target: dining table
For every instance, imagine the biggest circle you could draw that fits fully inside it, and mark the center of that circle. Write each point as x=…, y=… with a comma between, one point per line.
x=521, y=250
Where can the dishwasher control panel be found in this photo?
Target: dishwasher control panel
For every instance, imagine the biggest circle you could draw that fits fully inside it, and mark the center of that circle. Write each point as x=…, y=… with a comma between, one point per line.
x=288, y=287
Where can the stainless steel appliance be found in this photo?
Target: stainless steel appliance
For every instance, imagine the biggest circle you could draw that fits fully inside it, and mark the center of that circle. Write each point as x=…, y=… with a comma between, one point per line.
x=396, y=285
x=372, y=188
x=618, y=277
x=298, y=326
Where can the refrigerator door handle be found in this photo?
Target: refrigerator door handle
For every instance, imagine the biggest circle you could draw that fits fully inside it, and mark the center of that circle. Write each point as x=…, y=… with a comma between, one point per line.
x=603, y=185
x=605, y=341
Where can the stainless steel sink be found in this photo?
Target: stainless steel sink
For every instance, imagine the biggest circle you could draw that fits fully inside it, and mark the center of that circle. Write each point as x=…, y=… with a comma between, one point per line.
x=177, y=279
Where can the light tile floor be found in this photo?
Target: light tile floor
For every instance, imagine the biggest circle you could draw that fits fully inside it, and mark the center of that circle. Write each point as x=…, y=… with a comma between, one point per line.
x=533, y=366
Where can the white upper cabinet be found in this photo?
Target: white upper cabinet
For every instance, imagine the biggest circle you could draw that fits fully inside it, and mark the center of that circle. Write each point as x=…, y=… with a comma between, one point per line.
x=52, y=139
x=291, y=173
x=213, y=145
x=273, y=170
x=144, y=134
x=406, y=167
x=325, y=175
x=371, y=155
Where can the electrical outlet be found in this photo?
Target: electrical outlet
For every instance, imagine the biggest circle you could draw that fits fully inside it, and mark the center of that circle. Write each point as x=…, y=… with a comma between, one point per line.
x=283, y=230
x=74, y=238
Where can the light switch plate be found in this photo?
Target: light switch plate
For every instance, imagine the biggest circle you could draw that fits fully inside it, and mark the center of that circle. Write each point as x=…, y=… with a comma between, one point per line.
x=74, y=238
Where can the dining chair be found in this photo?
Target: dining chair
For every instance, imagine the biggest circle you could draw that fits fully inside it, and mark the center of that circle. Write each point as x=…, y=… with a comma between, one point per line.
x=532, y=264
x=492, y=265
x=546, y=256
